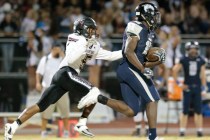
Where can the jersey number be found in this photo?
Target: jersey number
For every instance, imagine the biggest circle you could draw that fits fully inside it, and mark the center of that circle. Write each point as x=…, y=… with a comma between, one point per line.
x=192, y=68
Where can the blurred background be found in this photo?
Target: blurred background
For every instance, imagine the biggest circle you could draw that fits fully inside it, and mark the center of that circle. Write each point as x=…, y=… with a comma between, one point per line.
x=29, y=27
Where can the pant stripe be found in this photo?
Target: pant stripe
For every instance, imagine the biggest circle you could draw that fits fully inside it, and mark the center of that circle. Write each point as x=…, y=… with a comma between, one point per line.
x=143, y=84
x=79, y=80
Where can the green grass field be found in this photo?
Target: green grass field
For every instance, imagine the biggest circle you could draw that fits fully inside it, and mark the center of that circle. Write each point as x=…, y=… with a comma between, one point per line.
x=36, y=137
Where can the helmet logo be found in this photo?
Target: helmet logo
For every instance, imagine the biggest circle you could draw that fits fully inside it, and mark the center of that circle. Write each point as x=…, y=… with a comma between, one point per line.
x=81, y=21
x=149, y=9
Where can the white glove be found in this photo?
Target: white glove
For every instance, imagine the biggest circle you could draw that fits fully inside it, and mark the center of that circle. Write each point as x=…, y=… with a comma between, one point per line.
x=90, y=49
x=204, y=89
x=148, y=73
x=91, y=41
x=161, y=55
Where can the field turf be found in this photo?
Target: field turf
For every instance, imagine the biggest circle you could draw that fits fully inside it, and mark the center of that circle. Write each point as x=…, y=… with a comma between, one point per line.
x=101, y=137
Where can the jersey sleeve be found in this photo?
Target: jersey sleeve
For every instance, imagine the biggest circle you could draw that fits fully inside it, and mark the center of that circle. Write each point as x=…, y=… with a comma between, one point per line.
x=75, y=49
x=108, y=55
x=133, y=28
x=203, y=61
x=180, y=60
x=41, y=66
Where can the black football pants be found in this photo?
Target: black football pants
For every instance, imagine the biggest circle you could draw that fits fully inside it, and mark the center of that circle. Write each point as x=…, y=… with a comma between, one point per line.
x=65, y=79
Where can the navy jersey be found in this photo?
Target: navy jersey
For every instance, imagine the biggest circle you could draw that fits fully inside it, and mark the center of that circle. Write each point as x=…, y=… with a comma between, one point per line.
x=140, y=30
x=192, y=68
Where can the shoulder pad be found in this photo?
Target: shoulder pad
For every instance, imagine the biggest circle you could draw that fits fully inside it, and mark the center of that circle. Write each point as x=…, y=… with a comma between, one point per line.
x=204, y=59
x=133, y=28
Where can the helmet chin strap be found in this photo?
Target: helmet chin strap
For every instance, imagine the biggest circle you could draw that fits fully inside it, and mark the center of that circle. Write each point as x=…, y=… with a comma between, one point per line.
x=150, y=25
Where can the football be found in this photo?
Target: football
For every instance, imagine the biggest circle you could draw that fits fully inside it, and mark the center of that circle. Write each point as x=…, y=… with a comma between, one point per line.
x=152, y=54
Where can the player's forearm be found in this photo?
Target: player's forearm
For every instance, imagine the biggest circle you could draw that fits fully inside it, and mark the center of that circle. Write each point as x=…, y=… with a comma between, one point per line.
x=176, y=70
x=108, y=55
x=151, y=64
x=38, y=78
x=131, y=44
x=203, y=81
x=132, y=58
x=203, y=76
x=164, y=72
x=115, y=55
x=174, y=74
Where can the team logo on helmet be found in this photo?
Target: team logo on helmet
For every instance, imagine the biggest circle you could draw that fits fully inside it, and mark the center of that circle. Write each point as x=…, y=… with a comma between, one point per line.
x=81, y=26
x=149, y=13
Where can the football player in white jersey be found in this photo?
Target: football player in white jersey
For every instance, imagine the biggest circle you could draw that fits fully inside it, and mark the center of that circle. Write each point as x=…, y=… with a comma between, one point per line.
x=81, y=46
x=133, y=73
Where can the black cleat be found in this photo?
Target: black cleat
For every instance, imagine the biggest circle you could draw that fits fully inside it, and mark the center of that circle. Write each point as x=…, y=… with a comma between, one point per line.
x=181, y=134
x=199, y=134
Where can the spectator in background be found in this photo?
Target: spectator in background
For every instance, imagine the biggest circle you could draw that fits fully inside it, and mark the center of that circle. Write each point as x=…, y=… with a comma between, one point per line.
x=56, y=18
x=177, y=12
x=118, y=30
x=118, y=23
x=5, y=7
x=47, y=67
x=45, y=4
x=194, y=85
x=8, y=28
x=87, y=7
x=66, y=24
x=105, y=22
x=76, y=13
x=34, y=48
x=171, y=43
x=205, y=24
x=44, y=20
x=197, y=20
x=114, y=4
x=164, y=36
x=168, y=19
x=29, y=22
x=44, y=40
x=175, y=39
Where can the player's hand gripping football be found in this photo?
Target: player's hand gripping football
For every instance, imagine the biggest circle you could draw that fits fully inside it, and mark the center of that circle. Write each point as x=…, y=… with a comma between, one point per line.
x=148, y=73
x=161, y=55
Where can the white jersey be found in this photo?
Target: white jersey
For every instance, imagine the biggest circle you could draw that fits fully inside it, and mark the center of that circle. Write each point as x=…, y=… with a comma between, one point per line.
x=47, y=67
x=170, y=53
x=76, y=52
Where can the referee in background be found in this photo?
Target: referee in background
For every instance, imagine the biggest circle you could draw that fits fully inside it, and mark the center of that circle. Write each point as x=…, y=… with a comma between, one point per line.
x=47, y=67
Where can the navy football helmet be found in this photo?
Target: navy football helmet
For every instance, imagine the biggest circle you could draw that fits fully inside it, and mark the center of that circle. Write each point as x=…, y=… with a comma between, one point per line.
x=192, y=44
x=81, y=26
x=149, y=13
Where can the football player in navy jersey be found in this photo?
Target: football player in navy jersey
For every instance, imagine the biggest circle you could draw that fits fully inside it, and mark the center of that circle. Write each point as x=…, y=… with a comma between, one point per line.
x=137, y=87
x=194, y=85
